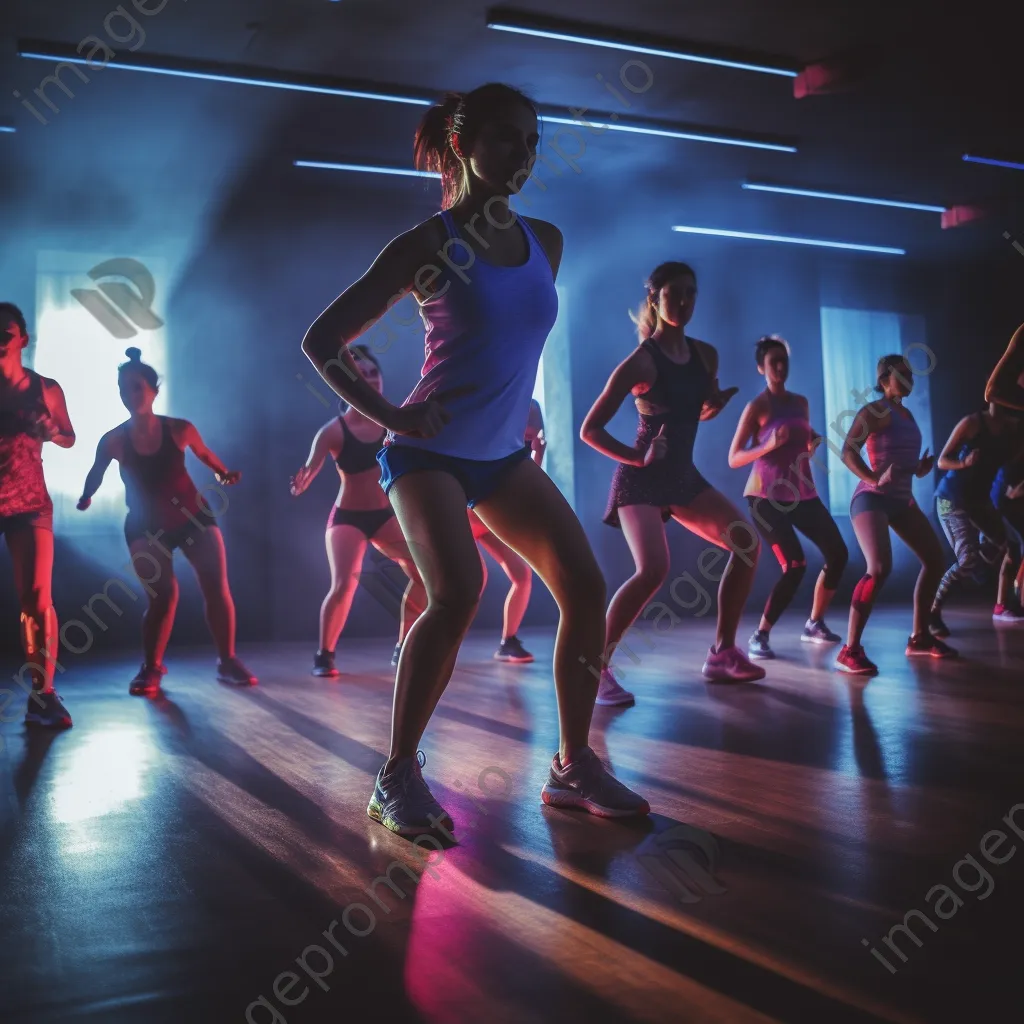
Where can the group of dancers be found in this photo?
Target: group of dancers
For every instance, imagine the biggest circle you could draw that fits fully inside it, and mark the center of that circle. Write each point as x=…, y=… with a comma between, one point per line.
x=453, y=466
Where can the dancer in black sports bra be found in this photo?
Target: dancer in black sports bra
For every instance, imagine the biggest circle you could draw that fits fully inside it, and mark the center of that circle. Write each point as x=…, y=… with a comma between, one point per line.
x=361, y=515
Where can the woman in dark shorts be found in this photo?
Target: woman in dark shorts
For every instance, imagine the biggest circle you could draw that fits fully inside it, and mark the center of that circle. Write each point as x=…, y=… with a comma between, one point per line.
x=783, y=498
x=675, y=382
x=32, y=412
x=165, y=512
x=978, y=447
x=361, y=515
x=884, y=499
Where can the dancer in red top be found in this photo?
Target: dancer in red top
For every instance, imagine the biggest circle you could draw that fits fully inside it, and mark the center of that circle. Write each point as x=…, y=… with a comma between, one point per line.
x=165, y=511
x=32, y=411
x=519, y=573
x=361, y=515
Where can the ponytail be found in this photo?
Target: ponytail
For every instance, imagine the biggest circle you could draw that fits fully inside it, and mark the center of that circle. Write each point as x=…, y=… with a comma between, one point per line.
x=445, y=136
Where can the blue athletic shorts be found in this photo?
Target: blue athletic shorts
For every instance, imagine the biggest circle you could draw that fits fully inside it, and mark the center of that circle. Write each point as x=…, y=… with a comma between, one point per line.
x=478, y=478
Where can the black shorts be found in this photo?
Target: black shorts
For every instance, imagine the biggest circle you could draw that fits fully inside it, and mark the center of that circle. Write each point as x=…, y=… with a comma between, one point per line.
x=367, y=521
x=183, y=536
x=41, y=519
x=893, y=507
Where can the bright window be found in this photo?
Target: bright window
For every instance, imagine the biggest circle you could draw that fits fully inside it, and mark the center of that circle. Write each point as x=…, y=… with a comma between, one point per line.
x=76, y=349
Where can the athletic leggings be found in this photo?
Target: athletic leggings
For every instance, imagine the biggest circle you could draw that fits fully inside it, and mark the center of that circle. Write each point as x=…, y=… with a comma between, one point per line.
x=978, y=538
x=778, y=527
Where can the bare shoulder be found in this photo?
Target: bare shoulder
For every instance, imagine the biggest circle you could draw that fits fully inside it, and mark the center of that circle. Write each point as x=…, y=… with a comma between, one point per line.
x=550, y=237
x=112, y=442
x=182, y=431
x=875, y=412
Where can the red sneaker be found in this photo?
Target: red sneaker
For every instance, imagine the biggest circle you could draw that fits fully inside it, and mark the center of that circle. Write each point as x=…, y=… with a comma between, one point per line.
x=855, y=661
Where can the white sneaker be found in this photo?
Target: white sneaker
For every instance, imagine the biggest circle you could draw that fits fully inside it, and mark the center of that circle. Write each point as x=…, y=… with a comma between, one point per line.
x=1008, y=615
x=610, y=694
x=730, y=665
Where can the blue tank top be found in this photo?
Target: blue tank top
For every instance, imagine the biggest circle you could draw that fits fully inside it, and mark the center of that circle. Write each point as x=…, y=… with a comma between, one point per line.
x=486, y=326
x=973, y=485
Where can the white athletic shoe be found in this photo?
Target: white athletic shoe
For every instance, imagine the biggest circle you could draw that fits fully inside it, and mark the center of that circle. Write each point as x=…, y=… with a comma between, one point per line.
x=610, y=694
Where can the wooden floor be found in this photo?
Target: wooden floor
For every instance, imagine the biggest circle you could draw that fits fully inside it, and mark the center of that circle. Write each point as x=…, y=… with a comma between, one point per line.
x=171, y=859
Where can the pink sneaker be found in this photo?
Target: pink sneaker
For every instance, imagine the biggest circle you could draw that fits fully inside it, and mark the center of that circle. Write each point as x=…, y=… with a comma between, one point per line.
x=610, y=694
x=730, y=665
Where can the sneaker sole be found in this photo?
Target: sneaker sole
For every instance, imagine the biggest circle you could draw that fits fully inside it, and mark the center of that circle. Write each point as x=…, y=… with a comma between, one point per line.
x=618, y=702
x=237, y=682
x=857, y=671
x=515, y=661
x=928, y=654
x=1008, y=622
x=746, y=677
x=761, y=657
x=320, y=673
x=567, y=799
x=143, y=691
x=820, y=640
x=411, y=830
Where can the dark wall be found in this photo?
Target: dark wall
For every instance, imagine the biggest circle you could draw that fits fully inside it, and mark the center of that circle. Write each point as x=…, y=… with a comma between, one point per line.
x=259, y=248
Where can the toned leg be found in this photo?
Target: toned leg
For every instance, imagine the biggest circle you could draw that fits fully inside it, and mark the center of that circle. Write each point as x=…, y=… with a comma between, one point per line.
x=209, y=561
x=520, y=576
x=775, y=525
x=346, y=546
x=154, y=566
x=388, y=540
x=872, y=530
x=714, y=518
x=32, y=557
x=431, y=510
x=813, y=520
x=644, y=530
x=913, y=528
x=530, y=514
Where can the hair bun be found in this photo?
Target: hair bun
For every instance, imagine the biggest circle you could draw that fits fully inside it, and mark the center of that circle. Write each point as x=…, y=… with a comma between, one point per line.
x=134, y=354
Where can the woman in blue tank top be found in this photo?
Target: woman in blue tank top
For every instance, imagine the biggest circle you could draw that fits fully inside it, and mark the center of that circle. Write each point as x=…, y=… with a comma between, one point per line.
x=674, y=379
x=361, y=516
x=483, y=277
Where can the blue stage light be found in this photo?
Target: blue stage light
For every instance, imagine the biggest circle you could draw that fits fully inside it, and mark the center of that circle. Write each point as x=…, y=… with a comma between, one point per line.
x=368, y=168
x=844, y=198
x=994, y=163
x=790, y=239
x=671, y=133
x=505, y=25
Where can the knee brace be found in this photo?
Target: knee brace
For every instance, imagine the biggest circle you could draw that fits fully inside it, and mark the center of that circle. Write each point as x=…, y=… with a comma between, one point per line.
x=864, y=593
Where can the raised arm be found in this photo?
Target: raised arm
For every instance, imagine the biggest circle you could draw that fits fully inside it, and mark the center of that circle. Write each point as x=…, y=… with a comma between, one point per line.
x=94, y=477
x=328, y=441
x=962, y=433
x=746, y=430
x=635, y=371
x=1003, y=386
x=852, y=458
x=535, y=433
x=189, y=438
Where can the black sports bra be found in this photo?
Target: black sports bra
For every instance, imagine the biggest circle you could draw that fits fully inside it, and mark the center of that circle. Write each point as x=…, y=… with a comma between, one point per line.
x=357, y=456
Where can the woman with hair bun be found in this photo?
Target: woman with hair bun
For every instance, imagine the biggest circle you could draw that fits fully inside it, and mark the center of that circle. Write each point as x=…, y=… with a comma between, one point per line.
x=484, y=279
x=782, y=496
x=884, y=500
x=674, y=380
x=166, y=512
x=361, y=515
